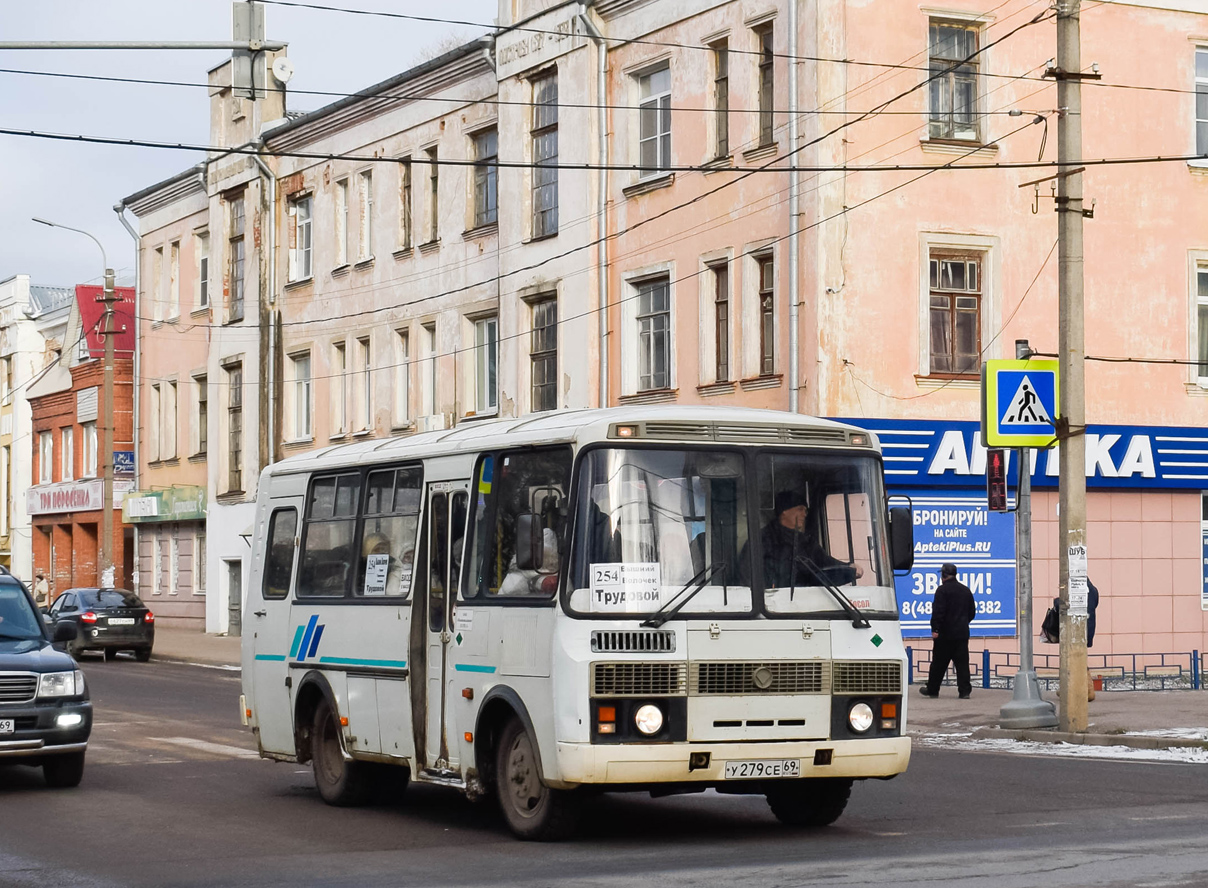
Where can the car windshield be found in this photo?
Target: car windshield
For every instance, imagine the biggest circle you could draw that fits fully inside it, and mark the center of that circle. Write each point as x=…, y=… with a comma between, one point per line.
x=18, y=619
x=108, y=598
x=653, y=522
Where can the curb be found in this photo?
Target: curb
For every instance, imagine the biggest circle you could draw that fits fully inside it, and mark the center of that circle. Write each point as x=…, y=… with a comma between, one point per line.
x=1046, y=736
x=193, y=661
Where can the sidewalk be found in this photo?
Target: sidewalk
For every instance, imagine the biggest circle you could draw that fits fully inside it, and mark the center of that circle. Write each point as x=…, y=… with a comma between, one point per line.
x=191, y=646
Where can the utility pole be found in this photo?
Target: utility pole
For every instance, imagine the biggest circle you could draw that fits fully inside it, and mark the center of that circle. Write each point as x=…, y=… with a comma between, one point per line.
x=105, y=562
x=1071, y=348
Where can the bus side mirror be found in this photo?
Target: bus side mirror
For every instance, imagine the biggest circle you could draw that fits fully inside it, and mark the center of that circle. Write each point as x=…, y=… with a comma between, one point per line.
x=901, y=537
x=530, y=542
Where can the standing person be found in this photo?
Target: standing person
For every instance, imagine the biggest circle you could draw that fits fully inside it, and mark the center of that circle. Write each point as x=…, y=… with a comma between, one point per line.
x=951, y=615
x=41, y=590
x=1092, y=602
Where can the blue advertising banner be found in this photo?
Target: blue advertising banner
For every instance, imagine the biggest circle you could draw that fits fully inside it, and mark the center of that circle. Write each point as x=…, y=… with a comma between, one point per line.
x=981, y=544
x=1204, y=594
x=123, y=463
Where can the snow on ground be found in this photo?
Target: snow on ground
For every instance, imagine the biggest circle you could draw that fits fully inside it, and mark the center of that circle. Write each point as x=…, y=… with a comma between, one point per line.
x=967, y=742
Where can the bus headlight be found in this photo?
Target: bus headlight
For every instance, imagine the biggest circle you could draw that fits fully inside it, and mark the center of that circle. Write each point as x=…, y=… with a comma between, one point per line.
x=860, y=717
x=649, y=719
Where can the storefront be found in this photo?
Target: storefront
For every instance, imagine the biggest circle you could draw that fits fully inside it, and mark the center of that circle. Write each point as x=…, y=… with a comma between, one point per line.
x=171, y=575
x=67, y=530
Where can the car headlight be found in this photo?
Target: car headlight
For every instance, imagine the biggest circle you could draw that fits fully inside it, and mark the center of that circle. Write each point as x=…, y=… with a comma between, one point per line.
x=860, y=717
x=649, y=719
x=61, y=684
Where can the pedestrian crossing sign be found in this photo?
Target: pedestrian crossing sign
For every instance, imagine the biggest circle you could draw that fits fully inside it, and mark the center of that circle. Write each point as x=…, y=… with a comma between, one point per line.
x=1019, y=403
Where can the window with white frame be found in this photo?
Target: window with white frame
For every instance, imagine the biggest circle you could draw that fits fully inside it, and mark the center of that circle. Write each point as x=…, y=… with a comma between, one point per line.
x=157, y=284
x=721, y=96
x=654, y=334
x=174, y=280
x=201, y=415
x=721, y=321
x=157, y=563
x=1201, y=323
x=301, y=237
x=235, y=259
x=544, y=135
x=767, y=90
x=174, y=560
x=428, y=387
x=168, y=440
x=954, y=310
x=543, y=354
x=365, y=232
x=46, y=457
x=404, y=203
x=199, y=563
x=300, y=401
x=952, y=48
x=234, y=426
x=486, y=365
x=654, y=121
x=202, y=247
x=342, y=234
x=402, y=377
x=1201, y=101
x=88, y=430
x=433, y=194
x=155, y=421
x=339, y=388
x=766, y=271
x=486, y=192
x=364, y=384
x=66, y=453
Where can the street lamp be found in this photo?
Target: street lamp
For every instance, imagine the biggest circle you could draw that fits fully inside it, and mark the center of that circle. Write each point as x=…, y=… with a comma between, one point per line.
x=107, y=298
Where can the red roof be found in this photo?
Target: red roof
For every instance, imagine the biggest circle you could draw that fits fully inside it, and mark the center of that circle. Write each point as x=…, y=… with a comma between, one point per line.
x=91, y=311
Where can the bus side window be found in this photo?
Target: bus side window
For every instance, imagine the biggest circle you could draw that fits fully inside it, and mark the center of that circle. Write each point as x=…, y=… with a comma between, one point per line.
x=328, y=546
x=279, y=559
x=392, y=506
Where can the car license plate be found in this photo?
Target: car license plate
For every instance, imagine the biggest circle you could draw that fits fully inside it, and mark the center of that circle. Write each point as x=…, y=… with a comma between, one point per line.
x=759, y=769
x=7, y=726
x=121, y=621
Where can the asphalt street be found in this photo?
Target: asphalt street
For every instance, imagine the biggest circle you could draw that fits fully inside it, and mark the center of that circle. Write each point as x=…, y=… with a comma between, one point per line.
x=174, y=795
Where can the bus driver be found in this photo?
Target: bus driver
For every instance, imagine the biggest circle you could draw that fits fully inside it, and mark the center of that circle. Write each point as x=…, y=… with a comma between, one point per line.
x=793, y=557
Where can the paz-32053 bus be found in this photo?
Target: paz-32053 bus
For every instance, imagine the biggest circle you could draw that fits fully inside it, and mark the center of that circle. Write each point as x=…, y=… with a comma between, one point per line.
x=657, y=599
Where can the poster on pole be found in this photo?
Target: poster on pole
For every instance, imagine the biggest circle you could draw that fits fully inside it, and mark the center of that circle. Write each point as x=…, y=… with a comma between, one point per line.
x=981, y=543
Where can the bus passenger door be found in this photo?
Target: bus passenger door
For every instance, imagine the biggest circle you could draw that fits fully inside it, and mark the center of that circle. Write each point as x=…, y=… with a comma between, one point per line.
x=447, y=506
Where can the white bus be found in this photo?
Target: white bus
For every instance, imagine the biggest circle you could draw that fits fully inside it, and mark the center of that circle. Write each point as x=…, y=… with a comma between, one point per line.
x=658, y=599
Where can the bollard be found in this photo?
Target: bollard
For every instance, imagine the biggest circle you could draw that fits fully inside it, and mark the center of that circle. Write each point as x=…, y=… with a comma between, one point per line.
x=909, y=665
x=1195, y=670
x=985, y=668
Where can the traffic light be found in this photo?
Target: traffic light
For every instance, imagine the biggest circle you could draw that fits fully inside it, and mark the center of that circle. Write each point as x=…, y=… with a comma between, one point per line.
x=996, y=480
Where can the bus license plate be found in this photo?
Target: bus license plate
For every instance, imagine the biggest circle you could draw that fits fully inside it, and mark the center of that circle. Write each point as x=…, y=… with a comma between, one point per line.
x=7, y=726
x=753, y=770
x=121, y=621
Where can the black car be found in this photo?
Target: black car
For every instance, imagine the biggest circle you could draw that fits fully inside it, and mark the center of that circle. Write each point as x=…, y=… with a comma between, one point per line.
x=45, y=713
x=109, y=620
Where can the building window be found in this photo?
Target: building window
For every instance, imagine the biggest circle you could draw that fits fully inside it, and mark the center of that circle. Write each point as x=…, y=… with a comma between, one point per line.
x=6, y=378
x=174, y=280
x=234, y=375
x=203, y=270
x=365, y=231
x=955, y=313
x=721, y=321
x=199, y=563
x=341, y=227
x=654, y=334
x=433, y=194
x=339, y=389
x=300, y=368
x=654, y=124
x=545, y=154
x=767, y=84
x=202, y=418
x=721, y=96
x=364, y=385
x=1201, y=315
x=46, y=458
x=486, y=195
x=90, y=449
x=429, y=382
x=157, y=284
x=155, y=421
x=66, y=453
x=402, y=378
x=168, y=440
x=157, y=564
x=301, y=236
x=767, y=315
x=404, y=199
x=543, y=354
x=486, y=365
x=236, y=256
x=1201, y=101
x=953, y=85
x=174, y=560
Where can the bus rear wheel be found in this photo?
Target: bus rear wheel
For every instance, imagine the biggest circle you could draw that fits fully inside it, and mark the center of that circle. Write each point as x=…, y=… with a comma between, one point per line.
x=816, y=802
x=532, y=810
x=342, y=783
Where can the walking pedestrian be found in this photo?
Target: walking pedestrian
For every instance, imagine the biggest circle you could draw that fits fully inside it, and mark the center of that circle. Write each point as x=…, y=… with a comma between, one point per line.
x=951, y=614
x=1092, y=602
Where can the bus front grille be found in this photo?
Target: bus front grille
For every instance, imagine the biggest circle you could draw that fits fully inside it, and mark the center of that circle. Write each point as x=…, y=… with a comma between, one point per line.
x=878, y=677
x=773, y=677
x=638, y=680
x=617, y=641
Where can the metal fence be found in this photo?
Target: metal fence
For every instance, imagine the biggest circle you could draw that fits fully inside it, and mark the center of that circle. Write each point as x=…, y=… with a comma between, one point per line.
x=1132, y=672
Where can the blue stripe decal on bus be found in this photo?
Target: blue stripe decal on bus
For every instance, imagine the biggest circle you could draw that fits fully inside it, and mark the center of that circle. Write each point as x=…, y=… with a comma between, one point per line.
x=356, y=661
x=310, y=629
x=471, y=667
x=293, y=650
x=314, y=643
x=275, y=657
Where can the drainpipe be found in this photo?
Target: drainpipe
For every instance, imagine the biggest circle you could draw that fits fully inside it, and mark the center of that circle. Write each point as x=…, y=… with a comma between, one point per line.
x=602, y=208
x=794, y=344
x=272, y=301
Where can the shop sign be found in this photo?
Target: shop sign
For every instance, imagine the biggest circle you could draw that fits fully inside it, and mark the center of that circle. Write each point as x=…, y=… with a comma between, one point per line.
x=69, y=496
x=123, y=463
x=184, y=503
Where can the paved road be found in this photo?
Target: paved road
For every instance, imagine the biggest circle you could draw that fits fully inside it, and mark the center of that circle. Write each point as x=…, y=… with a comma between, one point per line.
x=172, y=797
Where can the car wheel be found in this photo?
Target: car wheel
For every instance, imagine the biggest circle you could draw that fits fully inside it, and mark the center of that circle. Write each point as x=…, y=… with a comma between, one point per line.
x=110, y=654
x=74, y=648
x=142, y=654
x=62, y=771
x=816, y=802
x=532, y=809
x=342, y=783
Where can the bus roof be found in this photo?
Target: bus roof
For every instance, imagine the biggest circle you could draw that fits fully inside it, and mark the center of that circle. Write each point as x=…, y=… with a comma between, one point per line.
x=665, y=424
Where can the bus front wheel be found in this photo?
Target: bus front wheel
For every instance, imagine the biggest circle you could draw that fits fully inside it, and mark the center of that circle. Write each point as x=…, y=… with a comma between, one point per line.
x=816, y=802
x=341, y=782
x=532, y=809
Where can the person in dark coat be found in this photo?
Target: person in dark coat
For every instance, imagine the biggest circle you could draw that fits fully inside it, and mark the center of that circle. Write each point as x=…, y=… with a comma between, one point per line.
x=951, y=614
x=791, y=555
x=1092, y=602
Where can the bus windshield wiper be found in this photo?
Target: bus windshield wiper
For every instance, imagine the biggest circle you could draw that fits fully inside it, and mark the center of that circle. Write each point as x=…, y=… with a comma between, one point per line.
x=858, y=620
x=667, y=611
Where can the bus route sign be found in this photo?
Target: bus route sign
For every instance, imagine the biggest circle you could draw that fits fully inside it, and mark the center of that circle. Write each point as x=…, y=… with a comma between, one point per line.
x=1019, y=403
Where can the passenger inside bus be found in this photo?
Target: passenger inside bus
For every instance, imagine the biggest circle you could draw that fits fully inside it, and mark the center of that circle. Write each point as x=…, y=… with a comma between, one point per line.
x=379, y=544
x=535, y=582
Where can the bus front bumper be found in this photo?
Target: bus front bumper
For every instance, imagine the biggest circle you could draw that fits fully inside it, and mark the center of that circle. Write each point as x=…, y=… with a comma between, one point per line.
x=630, y=764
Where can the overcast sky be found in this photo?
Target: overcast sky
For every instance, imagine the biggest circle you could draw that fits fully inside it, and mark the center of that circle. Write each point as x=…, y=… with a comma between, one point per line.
x=78, y=184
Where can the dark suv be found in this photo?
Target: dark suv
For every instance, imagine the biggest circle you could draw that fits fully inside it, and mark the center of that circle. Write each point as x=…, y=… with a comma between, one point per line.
x=45, y=713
